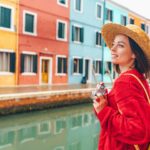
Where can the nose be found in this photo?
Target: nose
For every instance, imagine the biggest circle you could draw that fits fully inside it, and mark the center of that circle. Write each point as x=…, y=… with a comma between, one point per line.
x=113, y=48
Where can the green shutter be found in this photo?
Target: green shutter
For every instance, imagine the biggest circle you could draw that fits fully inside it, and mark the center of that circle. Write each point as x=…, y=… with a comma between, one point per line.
x=81, y=66
x=22, y=63
x=29, y=23
x=73, y=33
x=5, y=17
x=96, y=38
x=35, y=63
x=81, y=35
x=59, y=65
x=65, y=65
x=12, y=62
x=61, y=28
x=100, y=67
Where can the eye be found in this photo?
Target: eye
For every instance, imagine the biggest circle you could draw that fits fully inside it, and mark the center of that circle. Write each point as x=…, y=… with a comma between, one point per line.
x=120, y=45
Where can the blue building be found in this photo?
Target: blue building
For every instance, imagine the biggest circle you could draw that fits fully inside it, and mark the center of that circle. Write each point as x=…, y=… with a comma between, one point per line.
x=117, y=14
x=85, y=46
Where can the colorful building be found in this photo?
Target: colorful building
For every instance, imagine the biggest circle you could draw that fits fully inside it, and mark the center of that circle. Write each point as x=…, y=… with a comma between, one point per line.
x=86, y=18
x=58, y=41
x=8, y=42
x=117, y=14
x=43, y=42
x=142, y=22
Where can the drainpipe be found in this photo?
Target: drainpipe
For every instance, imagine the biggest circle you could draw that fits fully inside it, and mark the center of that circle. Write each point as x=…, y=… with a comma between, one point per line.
x=17, y=43
x=103, y=43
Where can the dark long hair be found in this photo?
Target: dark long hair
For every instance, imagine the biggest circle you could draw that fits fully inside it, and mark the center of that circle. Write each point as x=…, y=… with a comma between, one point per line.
x=142, y=64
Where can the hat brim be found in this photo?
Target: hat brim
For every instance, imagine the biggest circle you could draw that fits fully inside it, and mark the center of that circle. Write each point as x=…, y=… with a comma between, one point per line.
x=110, y=30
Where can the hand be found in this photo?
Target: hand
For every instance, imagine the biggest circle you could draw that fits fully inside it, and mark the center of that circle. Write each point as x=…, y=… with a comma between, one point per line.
x=99, y=103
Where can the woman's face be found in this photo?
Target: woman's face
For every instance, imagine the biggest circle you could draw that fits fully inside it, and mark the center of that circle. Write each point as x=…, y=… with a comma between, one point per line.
x=121, y=52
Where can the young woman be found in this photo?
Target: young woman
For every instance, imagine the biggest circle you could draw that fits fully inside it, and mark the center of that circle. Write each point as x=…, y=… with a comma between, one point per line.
x=124, y=113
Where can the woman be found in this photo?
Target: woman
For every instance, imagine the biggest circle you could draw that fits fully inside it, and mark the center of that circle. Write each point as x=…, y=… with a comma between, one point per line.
x=124, y=114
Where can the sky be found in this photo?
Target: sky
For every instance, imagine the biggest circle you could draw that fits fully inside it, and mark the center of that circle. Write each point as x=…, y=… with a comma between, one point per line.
x=141, y=7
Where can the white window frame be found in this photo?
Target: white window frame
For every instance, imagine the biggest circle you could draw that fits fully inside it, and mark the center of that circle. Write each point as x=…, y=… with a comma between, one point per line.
x=78, y=26
x=35, y=23
x=95, y=66
x=74, y=73
x=12, y=26
x=101, y=11
x=65, y=32
x=64, y=5
x=28, y=73
x=78, y=11
x=60, y=56
x=44, y=132
x=62, y=129
x=6, y=51
x=101, y=38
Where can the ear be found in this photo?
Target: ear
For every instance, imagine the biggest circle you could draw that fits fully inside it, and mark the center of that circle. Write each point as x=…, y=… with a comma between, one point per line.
x=133, y=56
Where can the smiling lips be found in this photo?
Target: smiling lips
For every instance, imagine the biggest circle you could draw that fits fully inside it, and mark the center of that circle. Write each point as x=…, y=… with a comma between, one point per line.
x=114, y=55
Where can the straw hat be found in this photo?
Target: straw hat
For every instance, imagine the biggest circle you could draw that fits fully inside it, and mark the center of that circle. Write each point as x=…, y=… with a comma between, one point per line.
x=110, y=30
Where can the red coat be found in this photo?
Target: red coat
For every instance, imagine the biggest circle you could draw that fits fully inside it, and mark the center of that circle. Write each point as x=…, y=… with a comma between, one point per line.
x=122, y=131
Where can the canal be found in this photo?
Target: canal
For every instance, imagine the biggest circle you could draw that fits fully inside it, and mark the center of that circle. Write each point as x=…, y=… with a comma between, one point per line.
x=69, y=128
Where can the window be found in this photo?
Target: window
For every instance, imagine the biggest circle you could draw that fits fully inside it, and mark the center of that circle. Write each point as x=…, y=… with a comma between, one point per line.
x=78, y=5
x=77, y=65
x=98, y=11
x=109, y=15
x=28, y=63
x=6, y=17
x=143, y=26
x=63, y=2
x=108, y=67
x=61, y=65
x=30, y=21
x=60, y=125
x=97, y=66
x=147, y=29
x=123, y=20
x=98, y=39
x=7, y=62
x=61, y=30
x=76, y=121
x=131, y=21
x=77, y=34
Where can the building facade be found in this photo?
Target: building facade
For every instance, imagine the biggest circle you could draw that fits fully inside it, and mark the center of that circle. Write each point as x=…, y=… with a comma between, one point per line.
x=8, y=41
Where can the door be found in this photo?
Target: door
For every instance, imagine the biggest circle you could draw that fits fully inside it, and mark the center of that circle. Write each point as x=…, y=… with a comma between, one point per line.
x=45, y=66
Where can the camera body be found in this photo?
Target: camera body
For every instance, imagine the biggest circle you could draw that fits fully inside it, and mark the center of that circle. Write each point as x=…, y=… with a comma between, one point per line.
x=100, y=90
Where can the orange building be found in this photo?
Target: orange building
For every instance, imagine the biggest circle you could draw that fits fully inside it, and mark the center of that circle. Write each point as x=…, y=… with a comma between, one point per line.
x=139, y=20
x=43, y=42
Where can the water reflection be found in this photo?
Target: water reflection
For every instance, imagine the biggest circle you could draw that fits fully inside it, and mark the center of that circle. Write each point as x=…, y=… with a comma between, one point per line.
x=70, y=128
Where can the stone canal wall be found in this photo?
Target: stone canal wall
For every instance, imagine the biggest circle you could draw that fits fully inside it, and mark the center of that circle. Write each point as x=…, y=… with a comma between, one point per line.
x=23, y=102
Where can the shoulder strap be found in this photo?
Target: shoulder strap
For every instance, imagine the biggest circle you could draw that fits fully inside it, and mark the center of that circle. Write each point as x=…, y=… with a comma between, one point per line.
x=148, y=98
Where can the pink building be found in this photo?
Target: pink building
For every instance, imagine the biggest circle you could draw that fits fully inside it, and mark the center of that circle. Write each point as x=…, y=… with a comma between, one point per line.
x=43, y=42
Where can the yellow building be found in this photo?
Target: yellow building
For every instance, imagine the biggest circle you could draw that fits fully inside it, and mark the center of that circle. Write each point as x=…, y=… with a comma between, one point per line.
x=8, y=42
x=141, y=21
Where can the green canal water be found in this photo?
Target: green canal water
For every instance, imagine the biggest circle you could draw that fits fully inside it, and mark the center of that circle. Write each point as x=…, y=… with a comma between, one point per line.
x=69, y=128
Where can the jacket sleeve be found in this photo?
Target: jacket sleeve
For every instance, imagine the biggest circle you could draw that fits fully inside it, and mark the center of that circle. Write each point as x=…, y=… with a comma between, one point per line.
x=129, y=123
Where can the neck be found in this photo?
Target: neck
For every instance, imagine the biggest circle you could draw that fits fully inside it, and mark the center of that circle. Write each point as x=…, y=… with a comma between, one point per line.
x=126, y=68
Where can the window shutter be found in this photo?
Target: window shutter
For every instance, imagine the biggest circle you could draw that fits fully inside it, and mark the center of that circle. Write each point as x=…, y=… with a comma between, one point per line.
x=22, y=62
x=29, y=23
x=111, y=15
x=5, y=15
x=35, y=63
x=59, y=65
x=94, y=66
x=12, y=62
x=100, y=67
x=73, y=33
x=81, y=66
x=81, y=35
x=96, y=38
x=65, y=65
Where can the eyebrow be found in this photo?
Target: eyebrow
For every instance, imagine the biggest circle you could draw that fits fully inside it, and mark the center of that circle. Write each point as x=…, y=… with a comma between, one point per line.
x=120, y=42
